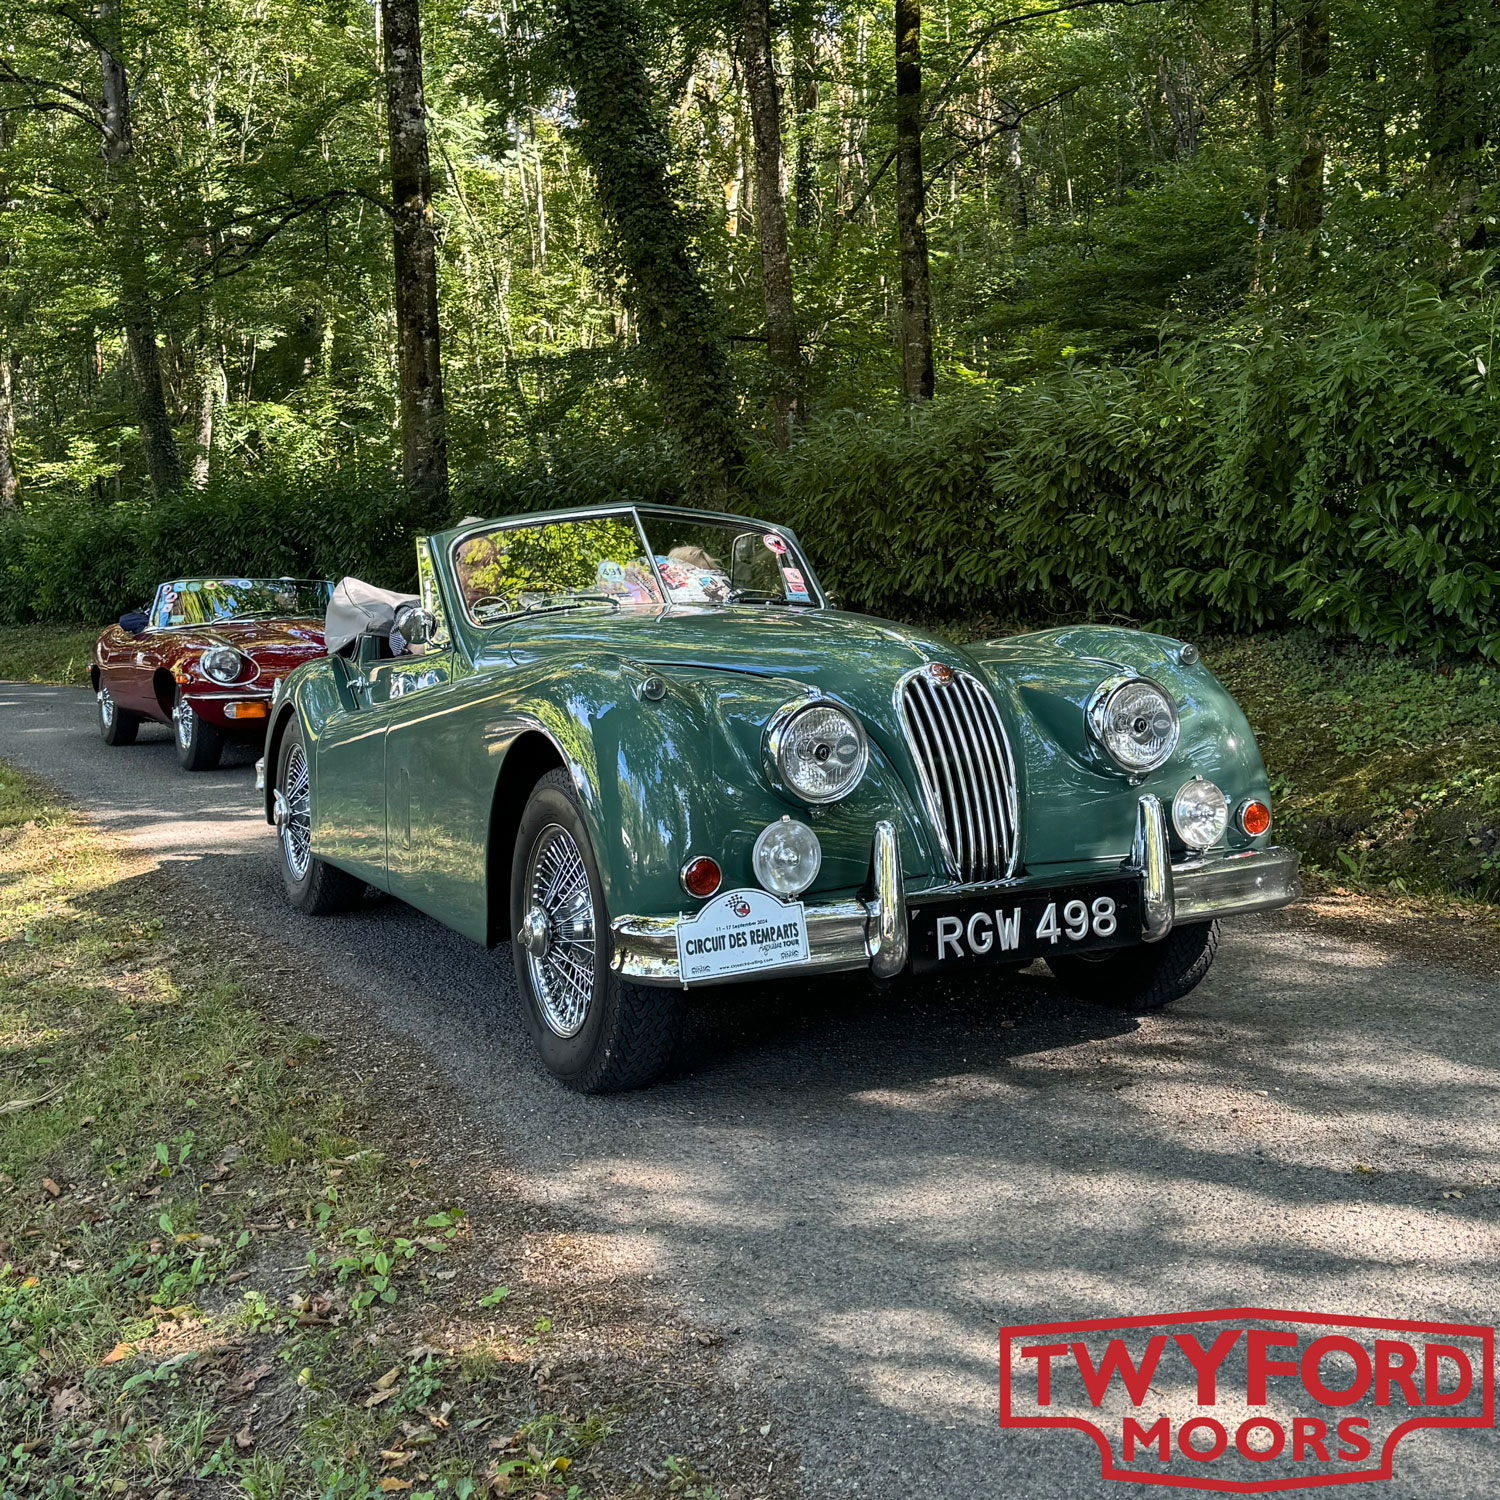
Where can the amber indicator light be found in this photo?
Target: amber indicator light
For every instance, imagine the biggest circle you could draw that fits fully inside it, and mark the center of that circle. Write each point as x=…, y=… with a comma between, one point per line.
x=1255, y=818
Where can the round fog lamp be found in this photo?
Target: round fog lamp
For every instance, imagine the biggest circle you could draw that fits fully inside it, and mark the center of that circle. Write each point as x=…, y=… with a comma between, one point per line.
x=787, y=857
x=1200, y=814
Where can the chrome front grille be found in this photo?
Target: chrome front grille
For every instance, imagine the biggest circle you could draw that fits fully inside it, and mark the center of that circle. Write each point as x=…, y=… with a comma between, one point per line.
x=968, y=776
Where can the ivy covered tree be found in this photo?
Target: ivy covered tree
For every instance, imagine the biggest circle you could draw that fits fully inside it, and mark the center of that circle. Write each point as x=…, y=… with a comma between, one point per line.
x=623, y=140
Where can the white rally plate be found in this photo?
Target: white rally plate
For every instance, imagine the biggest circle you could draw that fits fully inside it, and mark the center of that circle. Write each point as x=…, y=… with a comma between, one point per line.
x=738, y=932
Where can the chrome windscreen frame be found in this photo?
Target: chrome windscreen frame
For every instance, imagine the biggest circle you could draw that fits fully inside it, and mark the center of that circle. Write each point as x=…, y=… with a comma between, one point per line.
x=634, y=512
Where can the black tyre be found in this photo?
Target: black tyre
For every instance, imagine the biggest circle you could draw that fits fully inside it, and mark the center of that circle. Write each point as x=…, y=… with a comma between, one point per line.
x=1142, y=979
x=312, y=886
x=596, y=1032
x=199, y=745
x=117, y=726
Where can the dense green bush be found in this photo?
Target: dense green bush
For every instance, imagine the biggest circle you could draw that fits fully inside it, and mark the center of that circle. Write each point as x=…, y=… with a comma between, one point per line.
x=1344, y=476
x=83, y=561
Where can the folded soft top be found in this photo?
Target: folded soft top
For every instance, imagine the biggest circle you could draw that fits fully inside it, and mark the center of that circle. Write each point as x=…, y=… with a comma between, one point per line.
x=358, y=608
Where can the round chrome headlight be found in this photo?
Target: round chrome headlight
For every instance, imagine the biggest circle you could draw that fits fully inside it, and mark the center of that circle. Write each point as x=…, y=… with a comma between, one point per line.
x=1200, y=814
x=817, y=751
x=787, y=857
x=222, y=663
x=1135, y=722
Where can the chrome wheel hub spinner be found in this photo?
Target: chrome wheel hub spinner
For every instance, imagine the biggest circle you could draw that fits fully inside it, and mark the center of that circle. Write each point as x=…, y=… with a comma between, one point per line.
x=535, y=935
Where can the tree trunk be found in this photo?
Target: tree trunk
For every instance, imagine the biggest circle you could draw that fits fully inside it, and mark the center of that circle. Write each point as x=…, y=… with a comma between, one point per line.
x=623, y=140
x=10, y=484
x=770, y=218
x=1453, y=132
x=1015, y=172
x=911, y=216
x=1262, y=73
x=208, y=378
x=805, y=100
x=129, y=242
x=419, y=368
x=10, y=488
x=1305, y=205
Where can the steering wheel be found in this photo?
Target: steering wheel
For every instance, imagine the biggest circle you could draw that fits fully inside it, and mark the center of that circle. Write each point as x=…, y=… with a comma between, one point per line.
x=485, y=600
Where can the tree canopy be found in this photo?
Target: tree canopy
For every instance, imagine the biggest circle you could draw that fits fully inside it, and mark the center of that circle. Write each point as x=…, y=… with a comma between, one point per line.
x=1096, y=176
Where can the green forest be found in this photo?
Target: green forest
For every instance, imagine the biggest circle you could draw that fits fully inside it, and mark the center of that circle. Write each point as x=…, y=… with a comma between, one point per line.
x=1155, y=310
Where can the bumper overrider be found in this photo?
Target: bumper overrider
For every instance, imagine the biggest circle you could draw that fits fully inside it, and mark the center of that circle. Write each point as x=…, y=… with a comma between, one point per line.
x=873, y=934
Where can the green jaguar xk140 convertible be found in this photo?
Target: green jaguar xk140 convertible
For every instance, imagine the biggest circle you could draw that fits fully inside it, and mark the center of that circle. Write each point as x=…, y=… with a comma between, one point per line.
x=642, y=746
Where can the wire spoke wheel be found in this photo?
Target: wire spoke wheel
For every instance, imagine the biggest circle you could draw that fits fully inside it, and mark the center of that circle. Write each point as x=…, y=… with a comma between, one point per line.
x=106, y=707
x=560, y=940
x=294, y=814
x=184, y=719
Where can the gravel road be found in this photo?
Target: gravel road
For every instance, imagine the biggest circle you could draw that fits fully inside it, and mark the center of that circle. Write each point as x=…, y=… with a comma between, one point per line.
x=859, y=1186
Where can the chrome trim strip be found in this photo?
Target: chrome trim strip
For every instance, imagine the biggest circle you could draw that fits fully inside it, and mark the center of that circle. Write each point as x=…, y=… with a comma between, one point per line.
x=228, y=695
x=889, y=943
x=1149, y=859
x=988, y=784
x=921, y=751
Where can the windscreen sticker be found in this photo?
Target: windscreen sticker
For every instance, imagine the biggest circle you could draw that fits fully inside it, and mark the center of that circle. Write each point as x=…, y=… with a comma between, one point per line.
x=775, y=543
x=796, y=585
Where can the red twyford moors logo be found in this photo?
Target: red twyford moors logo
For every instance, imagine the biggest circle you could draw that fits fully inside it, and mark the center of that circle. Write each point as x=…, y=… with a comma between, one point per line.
x=1247, y=1400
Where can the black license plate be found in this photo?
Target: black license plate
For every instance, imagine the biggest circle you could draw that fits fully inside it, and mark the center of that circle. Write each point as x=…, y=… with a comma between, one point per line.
x=1017, y=927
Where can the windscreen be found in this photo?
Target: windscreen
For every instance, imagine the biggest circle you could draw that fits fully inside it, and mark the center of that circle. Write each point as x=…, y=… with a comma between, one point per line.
x=605, y=560
x=725, y=562
x=210, y=601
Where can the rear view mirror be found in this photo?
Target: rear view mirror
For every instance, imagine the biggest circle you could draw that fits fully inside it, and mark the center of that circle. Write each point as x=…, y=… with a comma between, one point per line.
x=415, y=625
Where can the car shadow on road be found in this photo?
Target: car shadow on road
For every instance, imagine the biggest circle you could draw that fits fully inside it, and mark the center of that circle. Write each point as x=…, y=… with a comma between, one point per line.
x=906, y=1028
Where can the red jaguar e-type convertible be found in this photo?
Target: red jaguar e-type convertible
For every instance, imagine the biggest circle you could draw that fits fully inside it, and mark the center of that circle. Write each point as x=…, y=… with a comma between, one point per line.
x=206, y=657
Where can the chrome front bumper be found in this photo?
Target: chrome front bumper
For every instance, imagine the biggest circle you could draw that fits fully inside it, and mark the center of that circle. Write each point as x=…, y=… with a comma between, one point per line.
x=872, y=934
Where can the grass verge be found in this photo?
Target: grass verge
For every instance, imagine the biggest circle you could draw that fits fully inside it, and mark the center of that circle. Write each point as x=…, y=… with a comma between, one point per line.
x=1385, y=770
x=47, y=653
x=231, y=1266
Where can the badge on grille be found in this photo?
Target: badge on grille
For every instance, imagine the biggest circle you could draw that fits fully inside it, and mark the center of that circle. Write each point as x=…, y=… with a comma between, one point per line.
x=940, y=673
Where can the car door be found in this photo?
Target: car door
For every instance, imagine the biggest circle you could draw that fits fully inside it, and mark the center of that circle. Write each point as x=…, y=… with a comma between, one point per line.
x=429, y=837
x=349, y=806
x=436, y=787
x=128, y=664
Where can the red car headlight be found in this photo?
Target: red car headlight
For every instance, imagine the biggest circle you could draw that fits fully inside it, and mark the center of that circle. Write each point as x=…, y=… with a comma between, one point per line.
x=222, y=664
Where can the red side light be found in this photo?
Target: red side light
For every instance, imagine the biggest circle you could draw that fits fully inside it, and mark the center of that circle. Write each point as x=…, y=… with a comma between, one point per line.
x=1255, y=818
x=701, y=877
